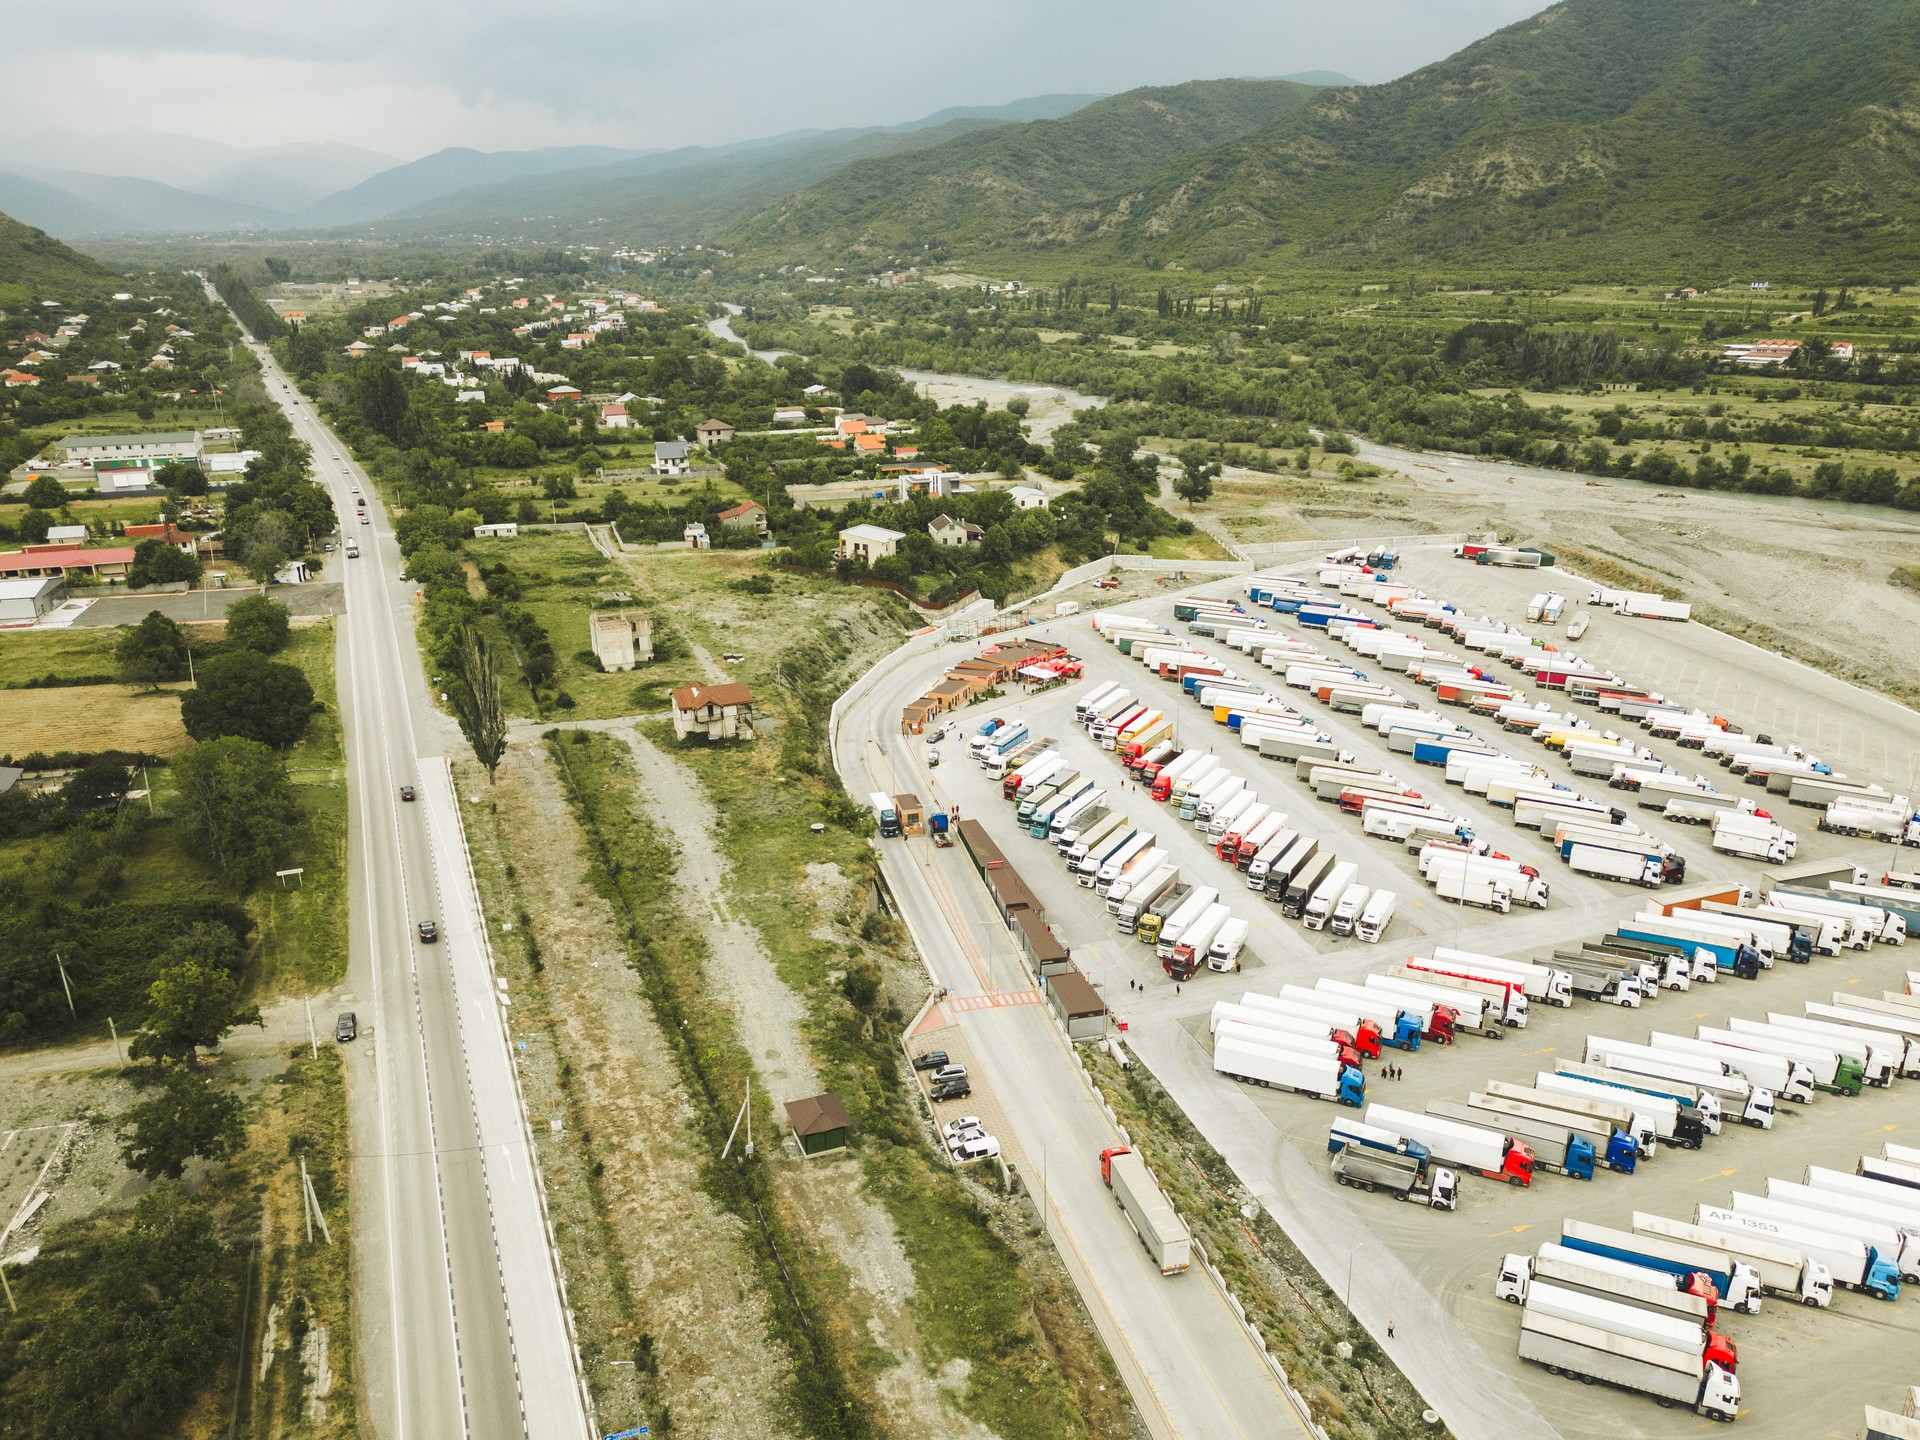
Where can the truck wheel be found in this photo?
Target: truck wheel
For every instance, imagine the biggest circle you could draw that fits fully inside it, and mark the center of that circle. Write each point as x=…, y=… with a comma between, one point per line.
x=1810, y=1301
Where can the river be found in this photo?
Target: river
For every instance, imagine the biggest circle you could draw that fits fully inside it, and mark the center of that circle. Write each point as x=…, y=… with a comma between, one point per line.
x=1049, y=406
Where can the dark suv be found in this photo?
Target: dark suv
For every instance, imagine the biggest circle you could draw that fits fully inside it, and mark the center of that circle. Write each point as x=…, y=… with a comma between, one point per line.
x=932, y=1060
x=952, y=1089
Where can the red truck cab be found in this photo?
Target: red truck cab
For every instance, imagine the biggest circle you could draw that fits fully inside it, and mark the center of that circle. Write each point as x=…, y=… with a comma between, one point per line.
x=1440, y=1022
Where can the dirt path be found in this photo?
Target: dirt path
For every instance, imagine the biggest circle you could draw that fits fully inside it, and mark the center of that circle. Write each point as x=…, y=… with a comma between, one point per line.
x=769, y=1014
x=604, y=543
x=686, y=1262
x=286, y=1024
x=830, y=1195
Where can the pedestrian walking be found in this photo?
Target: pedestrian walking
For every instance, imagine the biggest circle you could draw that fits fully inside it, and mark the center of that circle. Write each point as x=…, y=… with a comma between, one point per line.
x=1389, y=1329
x=1176, y=988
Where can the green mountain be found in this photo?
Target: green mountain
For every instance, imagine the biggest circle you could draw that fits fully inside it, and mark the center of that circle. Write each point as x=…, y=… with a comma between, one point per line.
x=1018, y=181
x=34, y=264
x=696, y=192
x=1643, y=135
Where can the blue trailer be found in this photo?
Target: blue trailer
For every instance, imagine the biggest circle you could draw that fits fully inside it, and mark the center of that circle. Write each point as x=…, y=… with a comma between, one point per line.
x=1738, y=1283
x=1435, y=752
x=1343, y=1133
x=1736, y=959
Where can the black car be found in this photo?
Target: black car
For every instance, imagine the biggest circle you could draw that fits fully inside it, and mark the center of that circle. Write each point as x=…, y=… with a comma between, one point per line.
x=406, y=792
x=932, y=1060
x=429, y=932
x=952, y=1090
x=346, y=1027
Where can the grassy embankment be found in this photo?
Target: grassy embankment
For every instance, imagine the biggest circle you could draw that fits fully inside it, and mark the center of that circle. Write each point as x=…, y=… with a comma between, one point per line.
x=1296, y=1313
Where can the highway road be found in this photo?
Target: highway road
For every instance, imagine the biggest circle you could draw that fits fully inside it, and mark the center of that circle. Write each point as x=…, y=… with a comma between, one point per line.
x=461, y=1317
x=1190, y=1367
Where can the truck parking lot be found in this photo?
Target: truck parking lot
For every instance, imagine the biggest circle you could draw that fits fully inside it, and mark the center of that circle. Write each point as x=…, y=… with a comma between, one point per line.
x=1804, y=1372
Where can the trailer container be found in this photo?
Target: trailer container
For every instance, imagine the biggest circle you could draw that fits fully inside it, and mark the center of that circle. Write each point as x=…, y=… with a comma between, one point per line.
x=1852, y=1263
x=1590, y=1353
x=1692, y=1298
x=1737, y=1281
x=1468, y=1146
x=1322, y=1079
x=1557, y=1148
x=1161, y=1231
x=1782, y=1270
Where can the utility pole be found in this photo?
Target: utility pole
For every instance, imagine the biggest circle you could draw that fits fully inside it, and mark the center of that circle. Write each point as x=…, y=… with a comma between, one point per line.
x=116, y=1042
x=58, y=962
x=313, y=1043
x=8, y=1288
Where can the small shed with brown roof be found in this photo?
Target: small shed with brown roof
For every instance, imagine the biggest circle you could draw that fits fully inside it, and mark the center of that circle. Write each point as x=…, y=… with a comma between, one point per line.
x=1046, y=956
x=913, y=815
x=819, y=1123
x=1078, y=1005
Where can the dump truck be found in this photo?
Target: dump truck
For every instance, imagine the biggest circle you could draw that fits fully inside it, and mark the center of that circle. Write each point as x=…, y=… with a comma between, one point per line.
x=1401, y=1176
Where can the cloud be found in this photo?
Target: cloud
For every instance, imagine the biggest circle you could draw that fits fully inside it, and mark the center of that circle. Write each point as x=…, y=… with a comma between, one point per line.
x=413, y=76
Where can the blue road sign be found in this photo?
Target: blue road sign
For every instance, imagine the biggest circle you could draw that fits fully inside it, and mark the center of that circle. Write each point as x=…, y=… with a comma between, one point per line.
x=628, y=1434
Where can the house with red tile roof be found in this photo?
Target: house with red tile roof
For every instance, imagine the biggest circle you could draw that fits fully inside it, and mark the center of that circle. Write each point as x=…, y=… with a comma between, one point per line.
x=109, y=562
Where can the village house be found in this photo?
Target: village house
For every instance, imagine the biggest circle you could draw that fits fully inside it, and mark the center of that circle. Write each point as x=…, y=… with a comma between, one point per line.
x=953, y=533
x=671, y=457
x=24, y=601
x=108, y=562
x=621, y=638
x=183, y=541
x=869, y=543
x=747, y=515
x=790, y=415
x=716, y=712
x=613, y=416
x=163, y=446
x=713, y=432
x=1026, y=497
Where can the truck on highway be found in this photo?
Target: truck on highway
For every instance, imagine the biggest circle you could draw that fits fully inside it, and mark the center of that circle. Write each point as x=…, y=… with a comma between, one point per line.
x=1737, y=1281
x=1692, y=1297
x=1161, y=1231
x=1593, y=1352
x=1401, y=1176
x=1470, y=1147
x=884, y=813
x=1782, y=1269
x=1323, y=1078
x=1852, y=1263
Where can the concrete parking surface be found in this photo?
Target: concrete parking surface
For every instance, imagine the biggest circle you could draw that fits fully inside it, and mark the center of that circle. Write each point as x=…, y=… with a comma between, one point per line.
x=1805, y=1373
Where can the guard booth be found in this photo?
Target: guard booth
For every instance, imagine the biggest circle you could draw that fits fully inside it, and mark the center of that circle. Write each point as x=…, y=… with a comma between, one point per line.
x=913, y=815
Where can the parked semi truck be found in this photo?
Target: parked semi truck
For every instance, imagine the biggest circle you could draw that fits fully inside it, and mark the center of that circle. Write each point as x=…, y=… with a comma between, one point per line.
x=1602, y=1115
x=1402, y=1176
x=1162, y=1233
x=1737, y=1281
x=1485, y=1152
x=1692, y=1297
x=1595, y=1351
x=1554, y=1147
x=1782, y=1270
x=1322, y=1078
x=1612, y=1146
x=1849, y=1262
x=1703, y=1105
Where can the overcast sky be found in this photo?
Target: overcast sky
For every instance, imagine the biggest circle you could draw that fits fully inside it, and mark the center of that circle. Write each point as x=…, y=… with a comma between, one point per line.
x=409, y=76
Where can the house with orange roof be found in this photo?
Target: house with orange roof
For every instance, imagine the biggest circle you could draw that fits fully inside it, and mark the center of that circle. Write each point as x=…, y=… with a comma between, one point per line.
x=493, y=427
x=14, y=379
x=851, y=425
x=747, y=515
x=520, y=302
x=870, y=444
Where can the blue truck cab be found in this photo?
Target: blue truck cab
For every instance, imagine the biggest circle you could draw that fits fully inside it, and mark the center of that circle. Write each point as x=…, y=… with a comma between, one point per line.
x=1353, y=1089
x=1882, y=1277
x=1578, y=1161
x=1343, y=1133
x=1623, y=1153
x=1406, y=1033
x=1741, y=960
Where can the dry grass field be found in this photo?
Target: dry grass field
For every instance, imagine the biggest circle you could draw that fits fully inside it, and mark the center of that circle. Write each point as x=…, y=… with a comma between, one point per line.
x=92, y=717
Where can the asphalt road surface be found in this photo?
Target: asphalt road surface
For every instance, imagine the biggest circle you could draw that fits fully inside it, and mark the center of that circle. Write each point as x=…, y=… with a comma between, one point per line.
x=461, y=1317
x=1190, y=1367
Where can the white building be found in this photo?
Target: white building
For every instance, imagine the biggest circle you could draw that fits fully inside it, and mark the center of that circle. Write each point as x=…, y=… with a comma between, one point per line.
x=869, y=542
